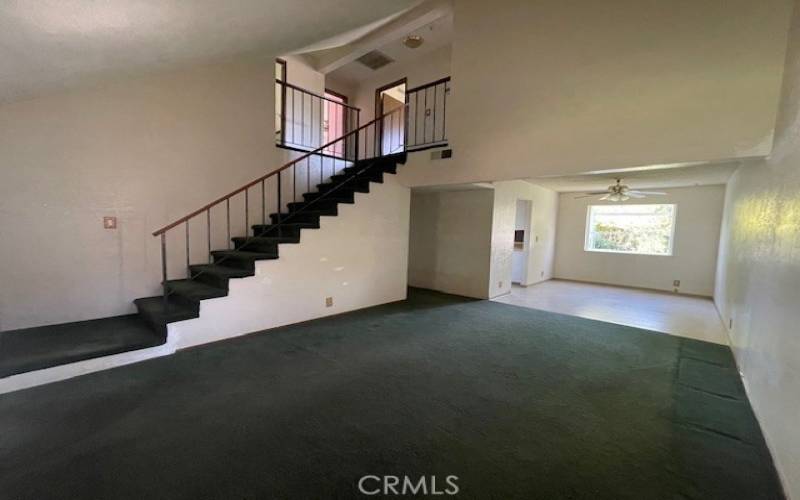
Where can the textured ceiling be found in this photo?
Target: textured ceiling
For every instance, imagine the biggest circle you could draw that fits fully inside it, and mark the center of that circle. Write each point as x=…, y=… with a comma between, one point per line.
x=694, y=175
x=51, y=44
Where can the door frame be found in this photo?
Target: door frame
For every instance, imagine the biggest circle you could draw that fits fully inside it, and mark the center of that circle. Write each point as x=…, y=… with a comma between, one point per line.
x=379, y=110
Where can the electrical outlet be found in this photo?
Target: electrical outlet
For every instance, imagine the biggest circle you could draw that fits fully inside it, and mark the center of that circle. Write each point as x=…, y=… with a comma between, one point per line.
x=676, y=283
x=328, y=301
x=109, y=222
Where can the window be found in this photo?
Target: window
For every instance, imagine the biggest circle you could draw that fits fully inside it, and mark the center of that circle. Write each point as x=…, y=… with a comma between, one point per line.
x=638, y=229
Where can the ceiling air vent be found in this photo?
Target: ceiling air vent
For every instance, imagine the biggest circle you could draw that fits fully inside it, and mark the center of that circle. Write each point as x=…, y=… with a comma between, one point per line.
x=375, y=60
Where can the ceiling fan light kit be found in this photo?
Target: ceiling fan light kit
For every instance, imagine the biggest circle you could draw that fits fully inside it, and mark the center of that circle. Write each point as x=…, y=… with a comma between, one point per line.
x=619, y=192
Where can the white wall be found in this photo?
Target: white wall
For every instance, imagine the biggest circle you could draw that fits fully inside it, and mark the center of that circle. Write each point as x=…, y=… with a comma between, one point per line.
x=758, y=278
x=541, y=250
x=697, y=222
x=147, y=151
x=449, y=243
x=359, y=258
x=588, y=85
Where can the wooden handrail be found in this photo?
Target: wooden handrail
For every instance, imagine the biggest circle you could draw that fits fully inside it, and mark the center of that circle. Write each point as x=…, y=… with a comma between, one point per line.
x=428, y=85
x=267, y=176
x=308, y=92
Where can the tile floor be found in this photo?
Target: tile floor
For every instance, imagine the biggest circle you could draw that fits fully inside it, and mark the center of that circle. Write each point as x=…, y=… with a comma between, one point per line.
x=681, y=315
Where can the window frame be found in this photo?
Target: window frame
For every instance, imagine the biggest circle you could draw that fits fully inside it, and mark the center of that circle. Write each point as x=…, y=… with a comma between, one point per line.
x=588, y=225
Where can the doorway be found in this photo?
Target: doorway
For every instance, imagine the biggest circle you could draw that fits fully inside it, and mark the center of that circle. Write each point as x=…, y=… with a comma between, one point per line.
x=391, y=130
x=522, y=236
x=334, y=122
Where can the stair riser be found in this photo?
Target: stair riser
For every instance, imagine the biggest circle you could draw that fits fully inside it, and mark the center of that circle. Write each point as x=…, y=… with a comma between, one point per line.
x=159, y=327
x=301, y=217
x=252, y=246
x=286, y=230
x=348, y=180
x=316, y=205
x=212, y=279
x=184, y=301
x=341, y=196
x=248, y=265
x=389, y=168
x=359, y=186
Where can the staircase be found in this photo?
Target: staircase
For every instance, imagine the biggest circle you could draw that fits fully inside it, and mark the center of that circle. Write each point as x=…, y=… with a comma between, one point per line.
x=181, y=298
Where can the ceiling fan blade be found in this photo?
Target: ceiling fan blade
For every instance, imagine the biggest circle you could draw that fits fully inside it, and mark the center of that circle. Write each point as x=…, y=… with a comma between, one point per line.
x=654, y=193
x=607, y=196
x=585, y=196
x=634, y=194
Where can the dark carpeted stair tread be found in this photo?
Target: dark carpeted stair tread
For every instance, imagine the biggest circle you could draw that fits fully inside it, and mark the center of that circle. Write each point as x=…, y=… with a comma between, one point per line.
x=158, y=314
x=371, y=175
x=259, y=242
x=195, y=290
x=303, y=216
x=291, y=228
x=341, y=195
x=217, y=275
x=235, y=255
x=359, y=185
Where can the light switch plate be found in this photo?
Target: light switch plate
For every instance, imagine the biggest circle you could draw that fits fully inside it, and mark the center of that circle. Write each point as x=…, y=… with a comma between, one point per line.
x=109, y=222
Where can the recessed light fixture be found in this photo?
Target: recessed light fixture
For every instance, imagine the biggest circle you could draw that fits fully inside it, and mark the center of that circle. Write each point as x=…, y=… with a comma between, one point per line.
x=413, y=41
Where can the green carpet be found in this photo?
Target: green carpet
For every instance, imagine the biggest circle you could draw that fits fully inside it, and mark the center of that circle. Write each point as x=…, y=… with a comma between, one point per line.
x=517, y=403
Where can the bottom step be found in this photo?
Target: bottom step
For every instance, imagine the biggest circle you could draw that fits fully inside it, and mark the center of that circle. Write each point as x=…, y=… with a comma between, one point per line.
x=48, y=346
x=155, y=312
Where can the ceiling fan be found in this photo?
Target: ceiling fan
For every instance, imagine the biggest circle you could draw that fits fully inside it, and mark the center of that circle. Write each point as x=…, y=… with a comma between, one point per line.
x=620, y=192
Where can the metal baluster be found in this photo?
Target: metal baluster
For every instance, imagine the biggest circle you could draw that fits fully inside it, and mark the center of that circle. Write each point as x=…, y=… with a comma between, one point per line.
x=405, y=123
x=303, y=118
x=425, y=120
x=246, y=208
x=279, y=204
x=164, y=270
x=208, y=231
x=187, y=249
x=228, y=222
x=444, y=112
x=358, y=122
x=294, y=124
x=416, y=118
x=263, y=205
x=435, y=92
x=308, y=174
x=294, y=183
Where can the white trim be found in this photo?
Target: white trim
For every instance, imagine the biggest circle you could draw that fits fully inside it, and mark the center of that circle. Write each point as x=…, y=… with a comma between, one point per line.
x=70, y=370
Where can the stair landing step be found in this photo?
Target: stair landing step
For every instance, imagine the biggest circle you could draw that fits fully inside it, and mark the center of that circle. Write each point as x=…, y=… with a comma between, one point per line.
x=158, y=314
x=43, y=347
x=195, y=290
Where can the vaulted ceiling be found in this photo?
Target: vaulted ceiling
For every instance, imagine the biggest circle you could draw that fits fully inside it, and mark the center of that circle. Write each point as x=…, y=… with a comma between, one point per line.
x=51, y=44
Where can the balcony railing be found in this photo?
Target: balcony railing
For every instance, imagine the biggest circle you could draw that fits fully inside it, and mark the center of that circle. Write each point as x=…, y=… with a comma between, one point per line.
x=426, y=125
x=305, y=121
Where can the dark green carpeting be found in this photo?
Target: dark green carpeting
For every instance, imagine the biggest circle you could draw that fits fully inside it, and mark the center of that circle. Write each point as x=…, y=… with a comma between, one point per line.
x=46, y=346
x=517, y=403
